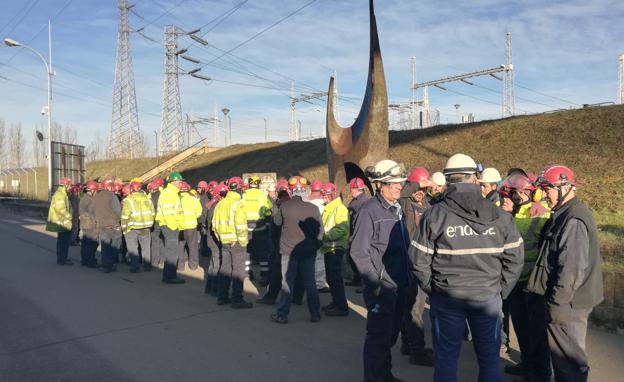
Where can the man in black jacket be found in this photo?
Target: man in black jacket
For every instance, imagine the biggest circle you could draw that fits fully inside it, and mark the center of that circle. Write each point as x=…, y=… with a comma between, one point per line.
x=379, y=250
x=107, y=211
x=567, y=272
x=300, y=239
x=467, y=256
x=357, y=187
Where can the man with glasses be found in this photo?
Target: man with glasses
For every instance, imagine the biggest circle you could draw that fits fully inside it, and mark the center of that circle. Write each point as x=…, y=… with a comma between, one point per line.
x=379, y=249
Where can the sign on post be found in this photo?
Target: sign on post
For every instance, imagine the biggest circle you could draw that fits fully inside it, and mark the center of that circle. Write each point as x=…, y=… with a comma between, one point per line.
x=68, y=160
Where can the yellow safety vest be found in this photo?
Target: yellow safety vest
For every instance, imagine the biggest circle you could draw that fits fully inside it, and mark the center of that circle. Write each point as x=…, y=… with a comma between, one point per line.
x=229, y=221
x=530, y=228
x=59, y=214
x=137, y=212
x=257, y=204
x=169, y=211
x=191, y=209
x=336, y=226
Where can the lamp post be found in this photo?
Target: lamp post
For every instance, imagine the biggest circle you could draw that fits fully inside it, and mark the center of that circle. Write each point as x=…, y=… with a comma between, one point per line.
x=12, y=43
x=228, y=132
x=266, y=132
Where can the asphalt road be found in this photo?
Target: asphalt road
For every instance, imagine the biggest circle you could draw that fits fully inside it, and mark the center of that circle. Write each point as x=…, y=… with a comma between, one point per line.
x=78, y=324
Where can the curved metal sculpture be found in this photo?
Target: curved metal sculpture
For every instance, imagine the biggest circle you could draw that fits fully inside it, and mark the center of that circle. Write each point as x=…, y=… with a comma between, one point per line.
x=366, y=141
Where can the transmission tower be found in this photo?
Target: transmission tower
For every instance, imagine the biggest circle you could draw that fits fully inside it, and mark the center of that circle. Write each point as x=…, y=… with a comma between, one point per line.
x=508, y=87
x=125, y=140
x=171, y=126
x=621, y=81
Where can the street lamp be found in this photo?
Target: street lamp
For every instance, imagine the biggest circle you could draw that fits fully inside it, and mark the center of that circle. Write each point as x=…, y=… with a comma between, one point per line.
x=48, y=109
x=266, y=134
x=228, y=131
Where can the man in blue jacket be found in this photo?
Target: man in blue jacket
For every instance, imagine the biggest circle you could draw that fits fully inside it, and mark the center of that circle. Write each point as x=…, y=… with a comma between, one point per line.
x=379, y=249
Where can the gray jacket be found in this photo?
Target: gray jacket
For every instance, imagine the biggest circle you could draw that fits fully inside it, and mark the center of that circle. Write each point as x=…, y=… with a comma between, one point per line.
x=467, y=248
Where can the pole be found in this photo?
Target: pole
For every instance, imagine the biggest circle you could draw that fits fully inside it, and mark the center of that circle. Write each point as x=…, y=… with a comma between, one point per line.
x=266, y=135
x=156, y=135
x=229, y=130
x=49, y=67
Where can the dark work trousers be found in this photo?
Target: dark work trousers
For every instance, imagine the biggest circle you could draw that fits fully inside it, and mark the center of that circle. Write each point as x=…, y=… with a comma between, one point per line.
x=275, y=278
x=528, y=315
x=134, y=239
x=157, y=244
x=333, y=268
x=63, y=240
x=356, y=279
x=566, y=338
x=413, y=326
x=170, y=253
x=448, y=317
x=88, y=247
x=75, y=232
x=505, y=326
x=233, y=271
x=385, y=312
x=188, y=242
x=204, y=250
x=295, y=266
x=213, y=266
x=259, y=246
x=110, y=242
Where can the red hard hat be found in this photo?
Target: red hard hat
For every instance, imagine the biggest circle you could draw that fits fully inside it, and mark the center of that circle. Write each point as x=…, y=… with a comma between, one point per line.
x=212, y=184
x=92, y=185
x=555, y=176
x=106, y=183
x=125, y=190
x=135, y=186
x=235, y=183
x=328, y=189
x=151, y=186
x=357, y=183
x=202, y=184
x=65, y=181
x=316, y=186
x=297, y=182
x=418, y=175
x=159, y=182
x=504, y=190
x=519, y=182
x=118, y=187
x=281, y=185
x=219, y=189
x=185, y=187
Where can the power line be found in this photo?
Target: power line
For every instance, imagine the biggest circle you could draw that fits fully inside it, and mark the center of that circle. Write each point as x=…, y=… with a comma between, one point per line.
x=547, y=95
x=29, y=4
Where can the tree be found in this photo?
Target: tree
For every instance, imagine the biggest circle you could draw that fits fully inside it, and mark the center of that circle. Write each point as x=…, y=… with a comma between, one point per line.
x=38, y=149
x=16, y=146
x=3, y=150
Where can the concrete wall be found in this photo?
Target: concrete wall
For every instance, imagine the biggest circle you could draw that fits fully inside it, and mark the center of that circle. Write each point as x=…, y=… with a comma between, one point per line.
x=610, y=314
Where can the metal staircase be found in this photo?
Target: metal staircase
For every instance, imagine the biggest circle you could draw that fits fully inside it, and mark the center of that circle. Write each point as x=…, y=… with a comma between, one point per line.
x=177, y=160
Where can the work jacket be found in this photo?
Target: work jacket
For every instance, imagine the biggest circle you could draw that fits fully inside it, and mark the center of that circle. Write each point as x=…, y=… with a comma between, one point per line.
x=530, y=219
x=354, y=207
x=107, y=210
x=169, y=210
x=137, y=212
x=191, y=209
x=257, y=206
x=335, y=227
x=467, y=248
x=87, y=218
x=60, y=213
x=229, y=221
x=301, y=227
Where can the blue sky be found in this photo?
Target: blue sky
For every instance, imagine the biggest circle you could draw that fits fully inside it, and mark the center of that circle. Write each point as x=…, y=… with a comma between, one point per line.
x=565, y=49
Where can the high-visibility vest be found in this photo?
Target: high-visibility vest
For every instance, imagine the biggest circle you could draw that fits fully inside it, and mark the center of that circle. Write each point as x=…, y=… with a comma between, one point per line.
x=59, y=214
x=229, y=221
x=191, y=209
x=169, y=211
x=137, y=212
x=257, y=204
x=336, y=226
x=530, y=219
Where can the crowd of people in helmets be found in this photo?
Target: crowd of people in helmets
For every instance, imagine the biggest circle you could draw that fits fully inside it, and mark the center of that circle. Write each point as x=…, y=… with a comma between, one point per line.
x=481, y=249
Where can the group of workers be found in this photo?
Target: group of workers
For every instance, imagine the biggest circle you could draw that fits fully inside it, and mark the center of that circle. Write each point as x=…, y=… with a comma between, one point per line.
x=478, y=247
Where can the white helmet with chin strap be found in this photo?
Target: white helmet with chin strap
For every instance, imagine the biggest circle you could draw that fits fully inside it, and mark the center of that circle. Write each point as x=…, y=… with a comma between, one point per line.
x=460, y=164
x=387, y=171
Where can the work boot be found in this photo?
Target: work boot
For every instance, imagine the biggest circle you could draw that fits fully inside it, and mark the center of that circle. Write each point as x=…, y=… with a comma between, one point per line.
x=315, y=318
x=336, y=312
x=241, y=305
x=328, y=307
x=279, y=319
x=324, y=290
x=517, y=369
x=147, y=267
x=266, y=301
x=391, y=378
x=422, y=358
x=224, y=302
x=175, y=280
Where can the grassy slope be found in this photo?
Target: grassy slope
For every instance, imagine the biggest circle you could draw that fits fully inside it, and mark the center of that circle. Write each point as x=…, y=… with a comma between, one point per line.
x=587, y=140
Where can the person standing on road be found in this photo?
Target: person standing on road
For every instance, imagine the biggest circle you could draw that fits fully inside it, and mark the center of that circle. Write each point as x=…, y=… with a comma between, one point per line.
x=219, y=191
x=567, y=272
x=379, y=250
x=74, y=199
x=60, y=221
x=356, y=186
x=107, y=211
x=89, y=243
x=137, y=218
x=335, y=243
x=467, y=255
x=258, y=209
x=169, y=216
x=229, y=223
x=299, y=242
x=157, y=241
x=192, y=210
x=320, y=273
x=203, y=191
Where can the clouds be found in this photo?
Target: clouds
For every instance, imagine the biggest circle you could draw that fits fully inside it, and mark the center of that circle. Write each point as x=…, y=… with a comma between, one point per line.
x=564, y=48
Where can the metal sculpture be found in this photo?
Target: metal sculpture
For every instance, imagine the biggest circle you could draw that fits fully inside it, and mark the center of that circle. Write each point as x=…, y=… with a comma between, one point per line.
x=366, y=141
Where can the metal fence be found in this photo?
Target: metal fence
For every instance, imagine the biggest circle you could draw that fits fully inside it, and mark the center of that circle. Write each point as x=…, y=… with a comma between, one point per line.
x=20, y=181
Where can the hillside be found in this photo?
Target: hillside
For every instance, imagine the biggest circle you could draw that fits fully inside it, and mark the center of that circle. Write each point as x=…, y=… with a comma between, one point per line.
x=588, y=140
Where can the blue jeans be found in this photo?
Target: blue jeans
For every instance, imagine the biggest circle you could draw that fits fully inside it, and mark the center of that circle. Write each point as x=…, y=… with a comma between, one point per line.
x=110, y=240
x=63, y=240
x=293, y=266
x=448, y=317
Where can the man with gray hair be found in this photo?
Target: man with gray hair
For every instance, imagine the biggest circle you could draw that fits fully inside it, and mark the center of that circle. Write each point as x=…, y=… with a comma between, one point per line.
x=467, y=256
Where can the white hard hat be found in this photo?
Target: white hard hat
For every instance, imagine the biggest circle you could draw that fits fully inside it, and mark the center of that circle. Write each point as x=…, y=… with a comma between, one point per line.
x=438, y=179
x=460, y=164
x=490, y=175
x=387, y=171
